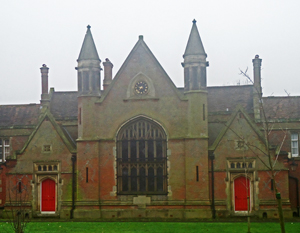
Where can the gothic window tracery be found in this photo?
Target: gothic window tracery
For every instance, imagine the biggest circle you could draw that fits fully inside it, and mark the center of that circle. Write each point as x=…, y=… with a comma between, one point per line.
x=142, y=158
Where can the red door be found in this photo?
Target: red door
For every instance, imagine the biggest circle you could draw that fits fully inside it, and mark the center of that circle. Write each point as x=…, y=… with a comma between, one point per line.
x=48, y=195
x=241, y=191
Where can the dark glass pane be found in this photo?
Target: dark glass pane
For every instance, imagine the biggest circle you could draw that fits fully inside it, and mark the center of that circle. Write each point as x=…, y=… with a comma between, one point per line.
x=238, y=165
x=150, y=151
x=133, y=150
x=150, y=179
x=142, y=179
x=232, y=165
x=160, y=179
x=158, y=149
x=79, y=81
x=44, y=168
x=39, y=168
x=142, y=150
x=50, y=168
x=125, y=179
x=85, y=81
x=125, y=150
x=133, y=179
x=55, y=168
x=243, y=165
x=250, y=165
x=20, y=187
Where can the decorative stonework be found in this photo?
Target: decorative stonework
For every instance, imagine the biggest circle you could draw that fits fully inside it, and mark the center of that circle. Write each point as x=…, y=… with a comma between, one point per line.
x=47, y=148
x=240, y=145
x=140, y=87
x=42, y=171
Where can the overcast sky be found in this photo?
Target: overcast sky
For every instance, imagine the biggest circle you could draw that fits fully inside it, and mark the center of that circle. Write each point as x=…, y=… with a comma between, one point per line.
x=36, y=32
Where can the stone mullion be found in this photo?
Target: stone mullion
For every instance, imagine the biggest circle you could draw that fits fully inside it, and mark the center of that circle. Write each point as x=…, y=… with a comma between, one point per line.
x=129, y=177
x=146, y=176
x=155, y=176
x=138, y=177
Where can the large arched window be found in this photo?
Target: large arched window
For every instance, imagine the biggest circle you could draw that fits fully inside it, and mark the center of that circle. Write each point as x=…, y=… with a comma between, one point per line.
x=142, y=158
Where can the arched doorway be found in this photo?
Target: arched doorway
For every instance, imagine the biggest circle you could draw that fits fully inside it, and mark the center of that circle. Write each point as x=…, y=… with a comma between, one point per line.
x=241, y=193
x=142, y=158
x=48, y=196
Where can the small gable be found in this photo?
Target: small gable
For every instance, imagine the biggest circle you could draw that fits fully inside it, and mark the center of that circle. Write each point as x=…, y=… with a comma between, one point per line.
x=48, y=142
x=240, y=137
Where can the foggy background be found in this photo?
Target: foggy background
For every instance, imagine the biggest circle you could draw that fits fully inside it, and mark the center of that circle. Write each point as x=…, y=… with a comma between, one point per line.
x=51, y=32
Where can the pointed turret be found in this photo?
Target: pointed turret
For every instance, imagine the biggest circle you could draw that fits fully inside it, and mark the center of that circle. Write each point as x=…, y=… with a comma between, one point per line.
x=88, y=50
x=88, y=67
x=194, y=45
x=194, y=62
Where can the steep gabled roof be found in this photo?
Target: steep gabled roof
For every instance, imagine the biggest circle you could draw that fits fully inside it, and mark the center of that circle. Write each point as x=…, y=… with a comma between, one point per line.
x=227, y=98
x=68, y=141
x=64, y=105
x=19, y=115
x=138, y=45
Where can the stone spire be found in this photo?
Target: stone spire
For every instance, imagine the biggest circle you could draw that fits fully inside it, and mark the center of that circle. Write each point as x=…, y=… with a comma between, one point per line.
x=194, y=45
x=88, y=69
x=88, y=50
x=194, y=62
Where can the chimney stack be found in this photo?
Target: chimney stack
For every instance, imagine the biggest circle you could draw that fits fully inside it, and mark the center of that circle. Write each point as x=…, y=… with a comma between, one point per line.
x=44, y=95
x=257, y=90
x=107, y=73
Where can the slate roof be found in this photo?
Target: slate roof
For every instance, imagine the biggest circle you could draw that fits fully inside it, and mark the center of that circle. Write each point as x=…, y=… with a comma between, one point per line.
x=17, y=115
x=229, y=97
x=282, y=107
x=64, y=105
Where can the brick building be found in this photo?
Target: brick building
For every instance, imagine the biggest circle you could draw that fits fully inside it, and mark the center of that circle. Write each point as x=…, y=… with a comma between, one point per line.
x=140, y=147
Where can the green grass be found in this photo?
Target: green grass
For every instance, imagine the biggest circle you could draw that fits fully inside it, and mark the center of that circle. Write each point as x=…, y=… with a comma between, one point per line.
x=163, y=227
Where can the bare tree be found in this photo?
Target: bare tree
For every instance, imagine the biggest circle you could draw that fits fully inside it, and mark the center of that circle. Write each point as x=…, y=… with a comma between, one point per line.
x=18, y=205
x=265, y=155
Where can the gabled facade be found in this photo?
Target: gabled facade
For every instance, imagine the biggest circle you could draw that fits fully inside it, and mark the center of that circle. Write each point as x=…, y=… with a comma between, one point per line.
x=139, y=147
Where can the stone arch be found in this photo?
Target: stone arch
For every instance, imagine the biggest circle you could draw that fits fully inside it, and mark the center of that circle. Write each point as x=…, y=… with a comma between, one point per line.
x=141, y=157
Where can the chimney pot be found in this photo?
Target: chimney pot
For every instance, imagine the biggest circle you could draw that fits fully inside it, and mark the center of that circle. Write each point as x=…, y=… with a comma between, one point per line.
x=107, y=73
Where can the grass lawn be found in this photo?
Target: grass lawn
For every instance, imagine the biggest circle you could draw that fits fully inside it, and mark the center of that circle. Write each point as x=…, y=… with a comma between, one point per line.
x=164, y=227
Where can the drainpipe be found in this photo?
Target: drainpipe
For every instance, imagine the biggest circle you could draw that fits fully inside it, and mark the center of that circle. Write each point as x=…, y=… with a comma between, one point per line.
x=212, y=157
x=73, y=158
x=297, y=193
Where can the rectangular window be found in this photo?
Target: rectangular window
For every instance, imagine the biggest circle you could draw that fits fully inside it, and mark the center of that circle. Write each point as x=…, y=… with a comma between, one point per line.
x=272, y=184
x=87, y=175
x=4, y=149
x=294, y=145
x=46, y=148
x=197, y=173
x=79, y=116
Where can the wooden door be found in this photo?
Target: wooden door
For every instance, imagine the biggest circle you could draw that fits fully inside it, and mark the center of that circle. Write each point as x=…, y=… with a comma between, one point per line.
x=48, y=195
x=241, y=192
